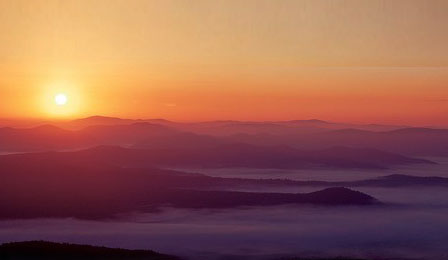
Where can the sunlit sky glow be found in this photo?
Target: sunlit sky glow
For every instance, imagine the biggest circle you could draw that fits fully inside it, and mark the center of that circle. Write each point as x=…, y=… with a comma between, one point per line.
x=344, y=60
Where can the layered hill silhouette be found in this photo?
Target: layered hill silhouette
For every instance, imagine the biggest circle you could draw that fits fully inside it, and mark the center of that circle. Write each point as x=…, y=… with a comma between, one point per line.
x=301, y=134
x=231, y=126
x=56, y=187
x=99, y=167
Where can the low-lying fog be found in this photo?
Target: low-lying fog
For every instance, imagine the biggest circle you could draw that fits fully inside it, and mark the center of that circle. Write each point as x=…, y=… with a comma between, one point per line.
x=313, y=231
x=413, y=224
x=440, y=169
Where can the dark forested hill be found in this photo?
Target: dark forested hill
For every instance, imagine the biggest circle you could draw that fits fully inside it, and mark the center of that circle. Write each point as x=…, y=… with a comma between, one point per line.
x=42, y=250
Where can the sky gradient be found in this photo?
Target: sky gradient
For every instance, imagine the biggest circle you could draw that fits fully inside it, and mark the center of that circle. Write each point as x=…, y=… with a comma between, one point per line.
x=353, y=61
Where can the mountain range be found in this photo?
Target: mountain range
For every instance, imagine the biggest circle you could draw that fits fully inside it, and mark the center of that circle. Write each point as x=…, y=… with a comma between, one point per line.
x=164, y=134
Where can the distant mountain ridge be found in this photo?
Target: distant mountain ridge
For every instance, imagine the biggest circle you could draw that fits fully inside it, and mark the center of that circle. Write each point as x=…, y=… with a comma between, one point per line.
x=300, y=134
x=196, y=126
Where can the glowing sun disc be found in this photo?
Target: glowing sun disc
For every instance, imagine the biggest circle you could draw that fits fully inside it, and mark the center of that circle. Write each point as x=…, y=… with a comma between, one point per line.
x=60, y=99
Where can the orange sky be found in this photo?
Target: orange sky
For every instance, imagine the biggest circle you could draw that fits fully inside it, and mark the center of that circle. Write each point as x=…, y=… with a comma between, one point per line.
x=344, y=60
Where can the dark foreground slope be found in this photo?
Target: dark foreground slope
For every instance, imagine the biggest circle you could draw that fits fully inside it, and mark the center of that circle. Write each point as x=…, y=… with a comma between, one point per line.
x=48, y=251
x=314, y=258
x=43, y=250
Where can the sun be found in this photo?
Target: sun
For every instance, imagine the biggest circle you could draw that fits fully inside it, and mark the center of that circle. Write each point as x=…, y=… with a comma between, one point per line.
x=60, y=99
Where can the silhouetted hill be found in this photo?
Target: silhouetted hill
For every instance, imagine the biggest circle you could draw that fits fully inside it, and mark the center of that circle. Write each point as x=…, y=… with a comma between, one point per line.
x=229, y=199
x=43, y=250
x=31, y=250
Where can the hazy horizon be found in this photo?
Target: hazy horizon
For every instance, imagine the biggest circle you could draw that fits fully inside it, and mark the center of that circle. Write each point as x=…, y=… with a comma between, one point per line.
x=36, y=120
